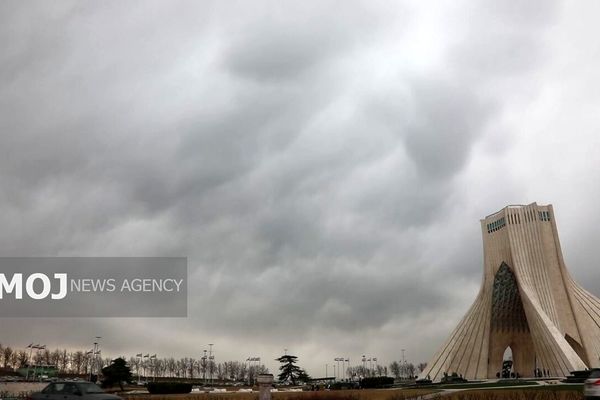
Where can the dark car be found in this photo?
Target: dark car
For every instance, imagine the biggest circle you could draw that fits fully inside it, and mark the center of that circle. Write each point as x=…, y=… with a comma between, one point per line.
x=64, y=390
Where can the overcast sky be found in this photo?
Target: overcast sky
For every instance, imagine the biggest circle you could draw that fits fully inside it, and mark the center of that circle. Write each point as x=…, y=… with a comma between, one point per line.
x=322, y=164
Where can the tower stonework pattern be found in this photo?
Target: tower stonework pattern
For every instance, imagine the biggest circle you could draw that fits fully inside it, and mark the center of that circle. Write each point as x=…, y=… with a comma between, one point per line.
x=527, y=301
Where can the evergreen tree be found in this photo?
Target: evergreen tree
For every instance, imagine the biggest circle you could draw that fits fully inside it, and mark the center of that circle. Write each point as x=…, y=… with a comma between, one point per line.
x=290, y=371
x=116, y=373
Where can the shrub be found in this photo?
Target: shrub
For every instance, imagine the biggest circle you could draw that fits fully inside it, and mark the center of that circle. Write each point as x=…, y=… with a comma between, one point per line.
x=169, y=387
x=376, y=382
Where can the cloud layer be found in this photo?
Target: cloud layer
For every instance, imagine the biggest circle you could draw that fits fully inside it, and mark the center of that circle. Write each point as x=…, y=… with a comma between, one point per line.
x=323, y=166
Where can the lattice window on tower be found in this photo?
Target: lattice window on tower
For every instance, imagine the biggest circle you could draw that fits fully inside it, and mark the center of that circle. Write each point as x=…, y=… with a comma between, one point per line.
x=507, y=308
x=544, y=215
x=496, y=225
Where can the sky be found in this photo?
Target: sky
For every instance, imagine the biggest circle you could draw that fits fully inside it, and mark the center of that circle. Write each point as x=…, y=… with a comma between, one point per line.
x=323, y=164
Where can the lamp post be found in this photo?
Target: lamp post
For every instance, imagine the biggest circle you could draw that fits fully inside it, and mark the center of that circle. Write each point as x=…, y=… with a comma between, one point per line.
x=252, y=372
x=140, y=355
x=348, y=369
x=144, y=365
x=94, y=357
x=204, y=358
x=257, y=365
x=403, y=362
x=364, y=362
x=210, y=363
x=41, y=347
x=248, y=372
x=30, y=347
x=153, y=366
x=37, y=348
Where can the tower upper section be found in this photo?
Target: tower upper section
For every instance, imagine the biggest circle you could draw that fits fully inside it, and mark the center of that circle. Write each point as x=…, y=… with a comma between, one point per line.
x=526, y=238
x=519, y=235
x=516, y=215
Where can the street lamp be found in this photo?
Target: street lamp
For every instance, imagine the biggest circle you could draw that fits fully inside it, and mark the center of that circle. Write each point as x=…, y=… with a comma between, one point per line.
x=204, y=358
x=140, y=355
x=348, y=369
x=210, y=362
x=94, y=355
x=30, y=347
x=37, y=348
x=144, y=365
x=248, y=364
x=153, y=366
x=364, y=361
x=252, y=372
x=342, y=373
x=403, y=363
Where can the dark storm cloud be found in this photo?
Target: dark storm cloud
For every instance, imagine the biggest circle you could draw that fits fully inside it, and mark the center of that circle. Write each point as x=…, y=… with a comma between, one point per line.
x=448, y=117
x=275, y=55
x=309, y=172
x=290, y=39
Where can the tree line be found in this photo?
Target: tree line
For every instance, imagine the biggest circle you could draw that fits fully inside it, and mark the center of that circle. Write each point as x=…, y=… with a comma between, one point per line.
x=81, y=362
x=406, y=370
x=191, y=368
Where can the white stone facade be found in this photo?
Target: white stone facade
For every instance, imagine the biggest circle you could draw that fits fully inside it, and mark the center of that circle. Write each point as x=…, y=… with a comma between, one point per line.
x=527, y=301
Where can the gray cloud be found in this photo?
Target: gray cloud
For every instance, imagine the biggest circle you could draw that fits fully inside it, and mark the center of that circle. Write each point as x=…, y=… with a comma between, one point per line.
x=323, y=173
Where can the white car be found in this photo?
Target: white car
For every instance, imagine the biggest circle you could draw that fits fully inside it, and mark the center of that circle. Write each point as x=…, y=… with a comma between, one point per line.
x=591, y=389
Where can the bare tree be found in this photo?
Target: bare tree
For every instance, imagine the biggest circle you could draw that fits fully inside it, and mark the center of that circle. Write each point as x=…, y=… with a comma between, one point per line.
x=181, y=368
x=55, y=358
x=243, y=372
x=7, y=354
x=77, y=360
x=46, y=357
x=63, y=361
x=22, y=358
x=410, y=370
x=171, y=366
x=395, y=369
x=191, y=363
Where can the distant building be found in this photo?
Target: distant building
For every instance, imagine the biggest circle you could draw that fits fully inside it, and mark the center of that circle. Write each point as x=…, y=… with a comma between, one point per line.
x=527, y=301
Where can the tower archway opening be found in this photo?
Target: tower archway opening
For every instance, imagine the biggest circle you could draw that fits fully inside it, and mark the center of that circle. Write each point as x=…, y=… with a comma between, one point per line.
x=507, y=364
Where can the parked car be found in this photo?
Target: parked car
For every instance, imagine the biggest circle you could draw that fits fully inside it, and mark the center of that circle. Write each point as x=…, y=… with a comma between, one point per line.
x=591, y=389
x=81, y=390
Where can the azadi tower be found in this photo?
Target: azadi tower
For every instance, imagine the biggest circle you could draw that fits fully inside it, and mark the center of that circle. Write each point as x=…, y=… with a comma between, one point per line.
x=527, y=301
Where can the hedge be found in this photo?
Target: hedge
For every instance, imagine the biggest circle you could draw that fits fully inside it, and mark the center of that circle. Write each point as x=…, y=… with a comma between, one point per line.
x=169, y=387
x=376, y=382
